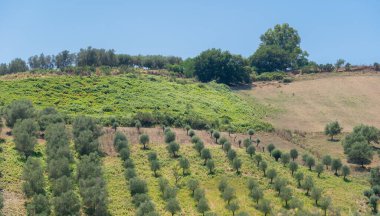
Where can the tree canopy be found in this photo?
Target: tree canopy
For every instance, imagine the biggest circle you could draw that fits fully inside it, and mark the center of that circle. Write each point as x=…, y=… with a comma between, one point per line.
x=221, y=66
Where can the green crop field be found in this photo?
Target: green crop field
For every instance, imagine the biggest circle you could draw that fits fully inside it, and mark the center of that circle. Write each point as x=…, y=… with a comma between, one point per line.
x=125, y=95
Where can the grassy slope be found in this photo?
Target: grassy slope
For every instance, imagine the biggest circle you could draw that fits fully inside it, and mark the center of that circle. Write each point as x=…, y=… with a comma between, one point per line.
x=308, y=105
x=12, y=169
x=346, y=195
x=125, y=95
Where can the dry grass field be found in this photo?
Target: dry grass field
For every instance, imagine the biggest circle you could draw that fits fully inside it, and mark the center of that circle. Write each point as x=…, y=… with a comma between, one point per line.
x=309, y=103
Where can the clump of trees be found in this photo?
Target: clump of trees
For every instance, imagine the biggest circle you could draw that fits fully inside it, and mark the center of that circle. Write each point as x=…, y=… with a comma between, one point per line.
x=279, y=50
x=221, y=66
x=357, y=145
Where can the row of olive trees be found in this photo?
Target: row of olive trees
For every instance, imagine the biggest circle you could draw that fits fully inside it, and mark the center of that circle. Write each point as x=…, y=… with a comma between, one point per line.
x=373, y=194
x=92, y=186
x=138, y=187
x=199, y=196
x=59, y=160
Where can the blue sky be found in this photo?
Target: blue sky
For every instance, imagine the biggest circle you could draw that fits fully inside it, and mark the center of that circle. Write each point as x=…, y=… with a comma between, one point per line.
x=329, y=29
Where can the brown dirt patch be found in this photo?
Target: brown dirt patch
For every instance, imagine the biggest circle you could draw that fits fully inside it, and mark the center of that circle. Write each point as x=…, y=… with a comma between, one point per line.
x=13, y=203
x=309, y=105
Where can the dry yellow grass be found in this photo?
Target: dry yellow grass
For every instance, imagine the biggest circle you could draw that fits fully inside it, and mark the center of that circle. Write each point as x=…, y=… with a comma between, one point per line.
x=309, y=104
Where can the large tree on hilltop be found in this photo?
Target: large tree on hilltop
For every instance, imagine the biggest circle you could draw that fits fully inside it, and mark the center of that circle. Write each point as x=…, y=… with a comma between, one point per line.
x=221, y=66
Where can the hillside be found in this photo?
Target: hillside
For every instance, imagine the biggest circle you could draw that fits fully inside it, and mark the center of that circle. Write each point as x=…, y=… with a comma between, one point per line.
x=175, y=101
x=346, y=195
x=314, y=100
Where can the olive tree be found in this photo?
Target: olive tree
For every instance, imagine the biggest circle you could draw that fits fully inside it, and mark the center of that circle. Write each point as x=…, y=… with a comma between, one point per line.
x=271, y=174
x=319, y=169
x=205, y=155
x=210, y=164
x=184, y=163
x=25, y=136
x=18, y=110
x=293, y=166
x=326, y=160
x=294, y=154
x=332, y=129
x=144, y=140
x=336, y=165
x=173, y=148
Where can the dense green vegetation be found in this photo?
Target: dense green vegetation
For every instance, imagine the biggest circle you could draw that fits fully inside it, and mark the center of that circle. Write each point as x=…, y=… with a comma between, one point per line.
x=150, y=99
